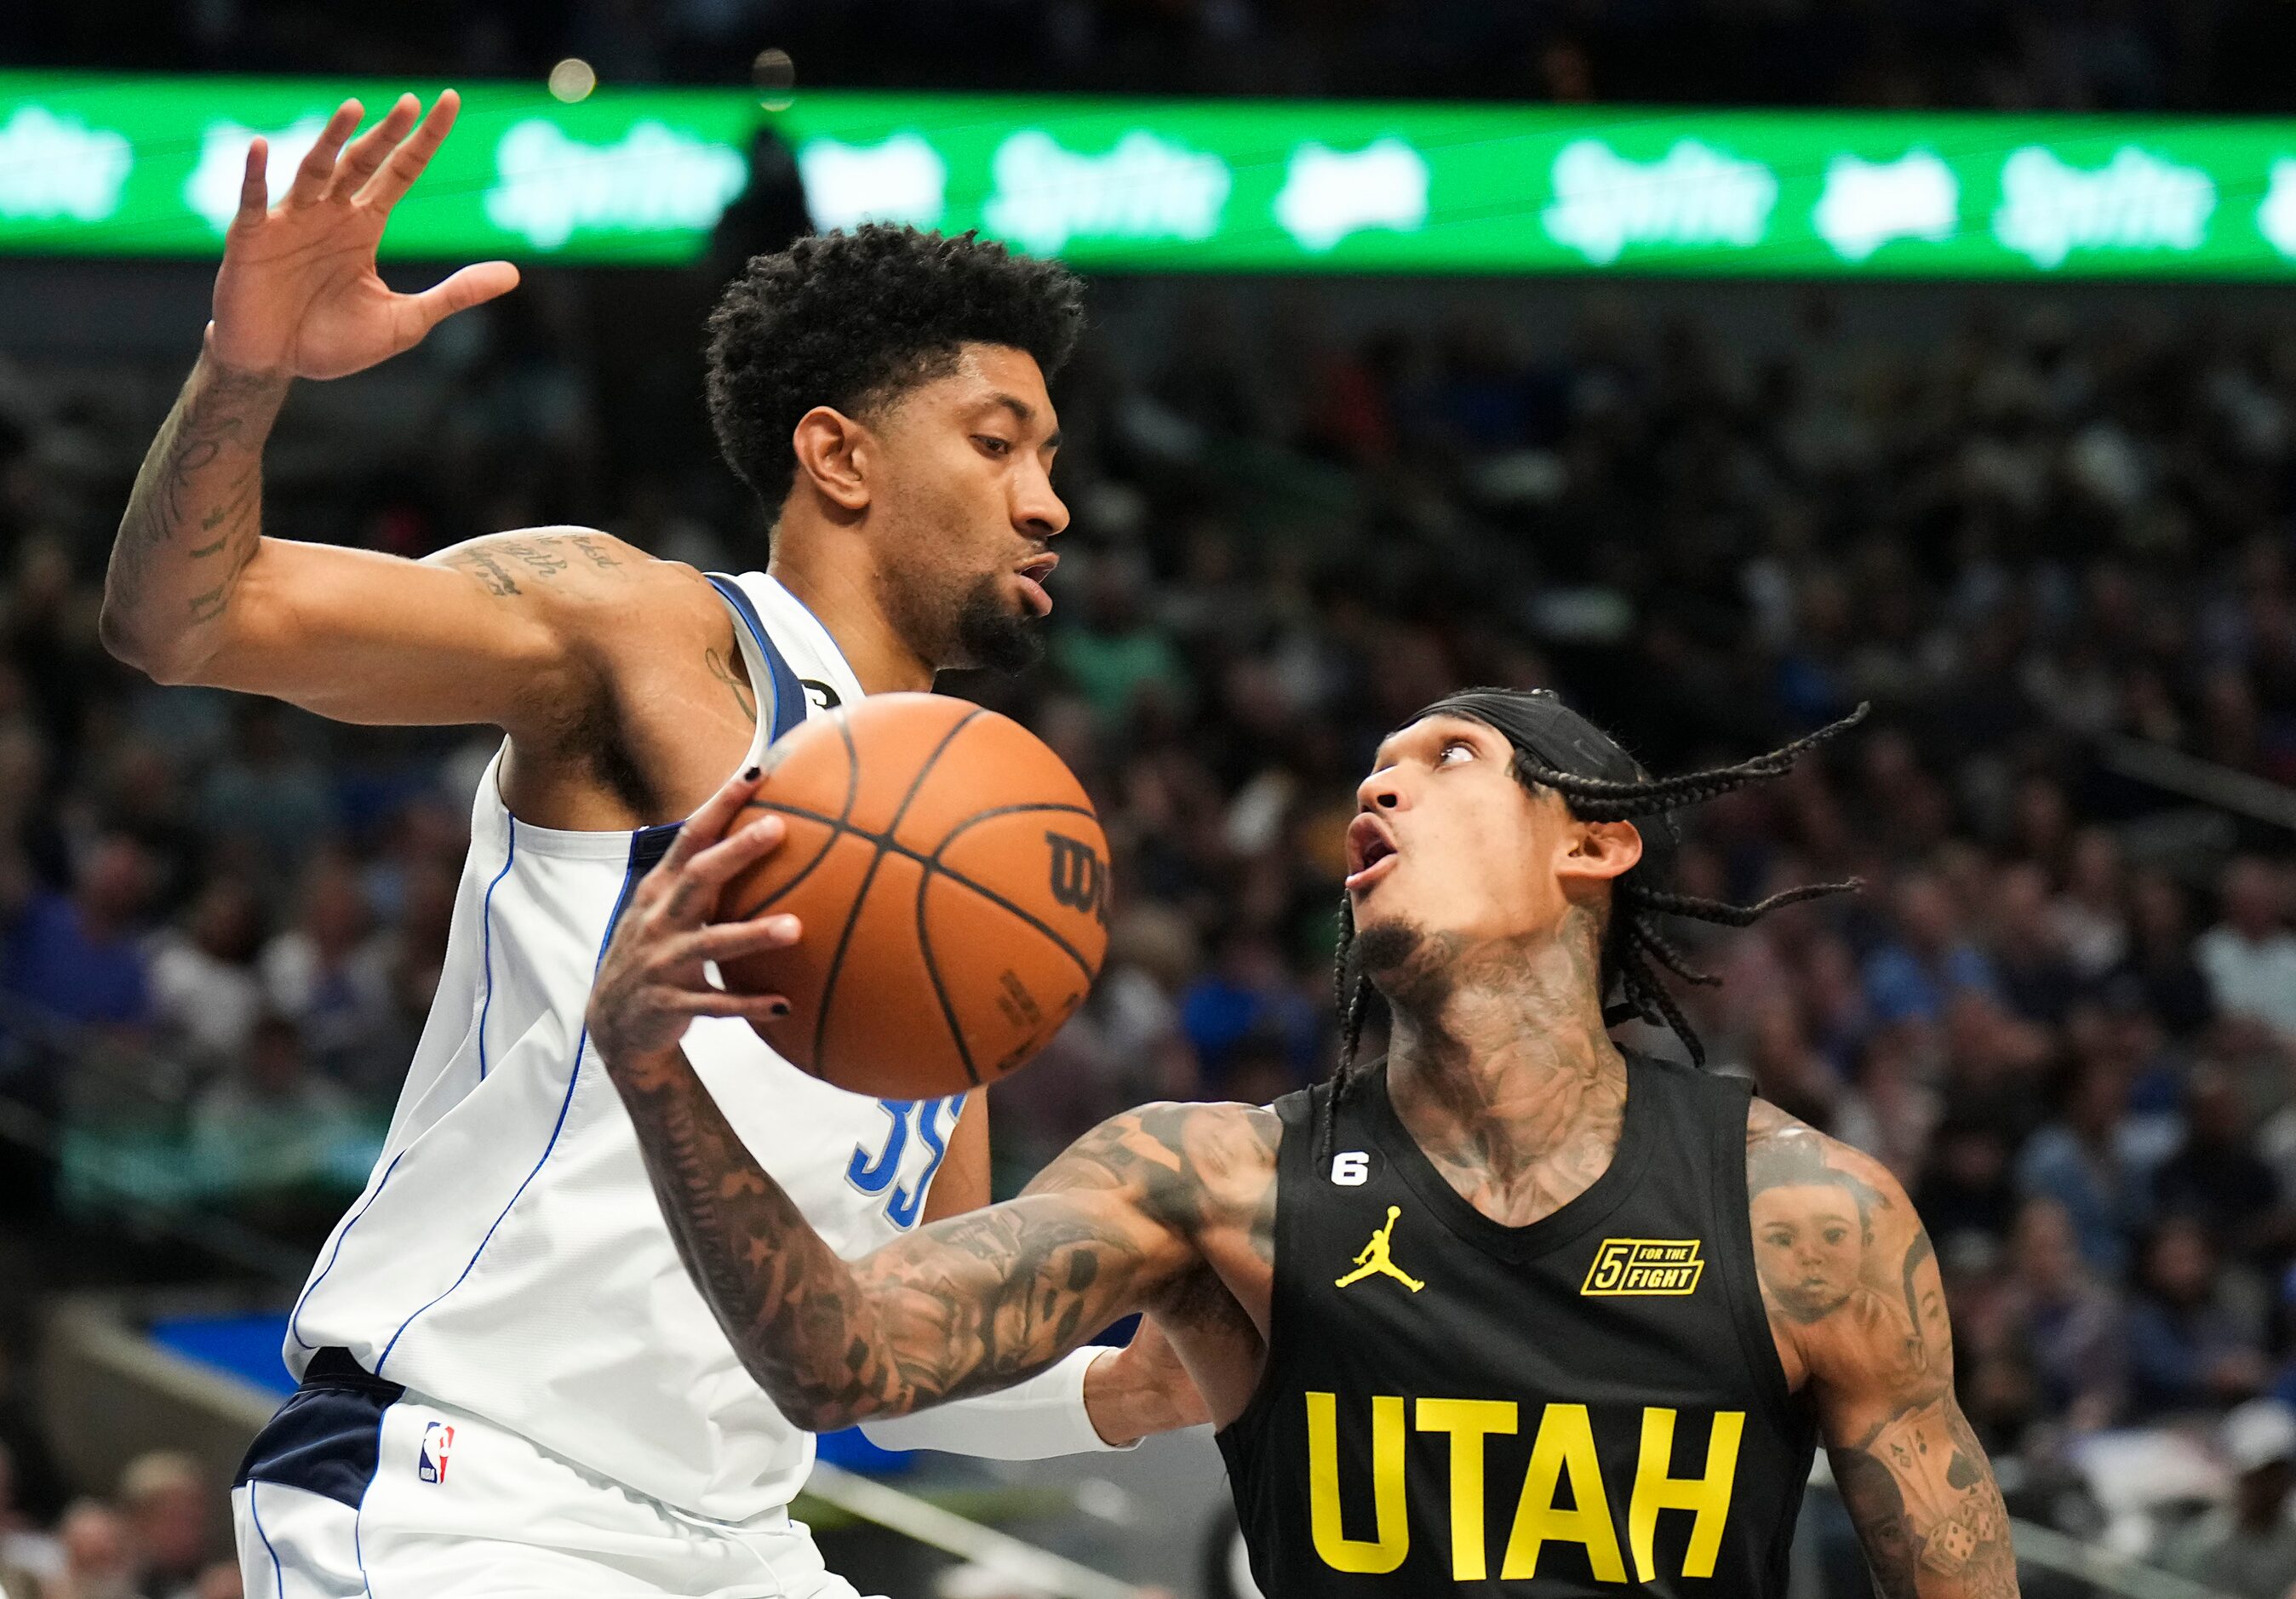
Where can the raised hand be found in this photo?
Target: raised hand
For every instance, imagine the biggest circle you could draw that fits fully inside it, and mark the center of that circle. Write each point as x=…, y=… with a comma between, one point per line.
x=651, y=983
x=297, y=295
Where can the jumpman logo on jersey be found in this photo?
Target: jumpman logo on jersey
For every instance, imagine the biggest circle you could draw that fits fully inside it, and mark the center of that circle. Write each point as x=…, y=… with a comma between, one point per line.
x=1376, y=1262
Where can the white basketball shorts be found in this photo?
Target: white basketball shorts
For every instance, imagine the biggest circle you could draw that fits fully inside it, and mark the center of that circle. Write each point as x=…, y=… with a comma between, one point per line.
x=359, y=1490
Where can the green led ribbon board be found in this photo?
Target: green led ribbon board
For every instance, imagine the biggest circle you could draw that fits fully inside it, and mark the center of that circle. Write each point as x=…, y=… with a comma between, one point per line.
x=150, y=166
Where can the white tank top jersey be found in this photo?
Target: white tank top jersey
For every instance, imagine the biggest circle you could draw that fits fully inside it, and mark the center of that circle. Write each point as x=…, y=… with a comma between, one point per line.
x=507, y=1255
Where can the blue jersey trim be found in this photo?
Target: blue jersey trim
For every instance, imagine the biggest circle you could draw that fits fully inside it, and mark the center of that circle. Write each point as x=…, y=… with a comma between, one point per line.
x=487, y=933
x=294, y=1319
x=255, y=1513
x=648, y=845
x=487, y=940
x=789, y=694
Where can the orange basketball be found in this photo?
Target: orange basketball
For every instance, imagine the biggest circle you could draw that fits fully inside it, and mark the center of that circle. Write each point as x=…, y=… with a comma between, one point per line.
x=952, y=879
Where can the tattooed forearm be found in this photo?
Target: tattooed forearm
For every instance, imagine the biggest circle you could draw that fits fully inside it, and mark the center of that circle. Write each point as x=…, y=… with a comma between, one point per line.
x=1852, y=1285
x=195, y=517
x=968, y=1305
x=1926, y=1506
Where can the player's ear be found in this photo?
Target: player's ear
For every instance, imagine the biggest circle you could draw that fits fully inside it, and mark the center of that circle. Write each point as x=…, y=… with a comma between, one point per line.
x=1600, y=850
x=831, y=452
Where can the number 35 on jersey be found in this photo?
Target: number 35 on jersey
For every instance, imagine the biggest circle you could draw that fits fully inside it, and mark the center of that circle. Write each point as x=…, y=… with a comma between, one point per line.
x=877, y=1171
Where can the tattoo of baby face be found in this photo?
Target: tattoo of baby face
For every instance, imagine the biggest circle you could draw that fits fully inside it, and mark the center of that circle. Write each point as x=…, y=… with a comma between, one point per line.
x=1848, y=1273
x=1813, y=1227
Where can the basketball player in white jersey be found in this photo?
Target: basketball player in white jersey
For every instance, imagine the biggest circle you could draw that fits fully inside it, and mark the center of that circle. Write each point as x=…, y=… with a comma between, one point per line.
x=509, y=1385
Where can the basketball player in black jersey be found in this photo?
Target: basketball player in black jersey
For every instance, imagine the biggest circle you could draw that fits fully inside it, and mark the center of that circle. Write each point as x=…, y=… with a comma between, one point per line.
x=1513, y=1310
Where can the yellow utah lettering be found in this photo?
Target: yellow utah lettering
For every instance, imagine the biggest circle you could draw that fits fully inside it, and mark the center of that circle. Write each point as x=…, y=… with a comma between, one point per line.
x=1709, y=1496
x=1390, y=1524
x=1562, y=1449
x=1468, y=1422
x=1565, y=1444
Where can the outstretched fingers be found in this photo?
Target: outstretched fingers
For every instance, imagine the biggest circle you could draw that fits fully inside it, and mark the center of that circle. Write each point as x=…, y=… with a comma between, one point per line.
x=365, y=154
x=255, y=185
x=311, y=178
x=405, y=163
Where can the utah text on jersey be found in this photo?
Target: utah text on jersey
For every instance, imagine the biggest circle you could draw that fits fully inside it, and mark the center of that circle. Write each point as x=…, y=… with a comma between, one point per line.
x=1564, y=1469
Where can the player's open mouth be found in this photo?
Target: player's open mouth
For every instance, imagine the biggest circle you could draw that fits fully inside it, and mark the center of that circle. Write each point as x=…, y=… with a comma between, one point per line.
x=1371, y=852
x=1032, y=575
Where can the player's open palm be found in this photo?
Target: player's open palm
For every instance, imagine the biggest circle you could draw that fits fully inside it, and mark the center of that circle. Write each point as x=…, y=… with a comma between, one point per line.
x=298, y=293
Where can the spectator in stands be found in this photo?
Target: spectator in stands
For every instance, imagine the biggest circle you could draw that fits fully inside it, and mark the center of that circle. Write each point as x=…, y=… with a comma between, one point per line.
x=2088, y=914
x=2088, y=1161
x=1788, y=1072
x=2195, y=1334
x=265, y=793
x=1248, y=994
x=99, y=1554
x=1118, y=654
x=1890, y=1107
x=2029, y=946
x=2217, y=1176
x=2159, y=972
x=79, y=956
x=1967, y=1188
x=326, y=974
x=2247, y=1548
x=2055, y=1317
x=2249, y=956
x=29, y=1558
x=204, y=993
x=273, y=1128
x=168, y=1500
x=1929, y=961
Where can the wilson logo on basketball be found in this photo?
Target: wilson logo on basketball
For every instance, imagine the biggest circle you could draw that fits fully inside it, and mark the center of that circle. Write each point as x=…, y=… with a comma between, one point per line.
x=1079, y=876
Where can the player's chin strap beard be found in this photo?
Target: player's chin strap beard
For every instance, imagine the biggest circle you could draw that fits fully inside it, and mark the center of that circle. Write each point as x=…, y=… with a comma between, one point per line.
x=1632, y=948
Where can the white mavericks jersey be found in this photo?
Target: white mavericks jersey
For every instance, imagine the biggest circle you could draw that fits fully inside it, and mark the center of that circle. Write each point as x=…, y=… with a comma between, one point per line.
x=507, y=1255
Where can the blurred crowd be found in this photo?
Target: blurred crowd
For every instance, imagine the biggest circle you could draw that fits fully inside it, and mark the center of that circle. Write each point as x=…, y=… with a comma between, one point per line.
x=154, y=1538
x=2065, y=54
x=2051, y=546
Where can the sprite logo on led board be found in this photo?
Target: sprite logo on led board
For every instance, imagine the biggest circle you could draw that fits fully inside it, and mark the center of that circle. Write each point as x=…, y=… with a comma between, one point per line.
x=54, y=167
x=150, y=166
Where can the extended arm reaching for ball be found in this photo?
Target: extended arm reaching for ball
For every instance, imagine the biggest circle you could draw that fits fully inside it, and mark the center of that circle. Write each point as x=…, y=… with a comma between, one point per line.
x=966, y=1306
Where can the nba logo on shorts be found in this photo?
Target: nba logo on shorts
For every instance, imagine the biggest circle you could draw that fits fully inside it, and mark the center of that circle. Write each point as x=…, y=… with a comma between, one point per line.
x=438, y=1438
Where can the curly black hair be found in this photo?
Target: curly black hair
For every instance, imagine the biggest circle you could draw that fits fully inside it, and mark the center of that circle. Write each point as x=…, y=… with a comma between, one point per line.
x=846, y=319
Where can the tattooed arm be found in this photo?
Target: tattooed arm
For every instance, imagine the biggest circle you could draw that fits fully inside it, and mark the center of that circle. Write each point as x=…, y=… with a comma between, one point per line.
x=964, y=1305
x=196, y=593
x=1857, y=1309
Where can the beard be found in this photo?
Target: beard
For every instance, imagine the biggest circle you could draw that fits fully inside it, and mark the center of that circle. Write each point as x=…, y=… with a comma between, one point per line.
x=1383, y=946
x=983, y=629
x=990, y=632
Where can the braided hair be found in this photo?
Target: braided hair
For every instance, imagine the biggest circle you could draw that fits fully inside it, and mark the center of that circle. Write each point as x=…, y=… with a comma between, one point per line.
x=1555, y=748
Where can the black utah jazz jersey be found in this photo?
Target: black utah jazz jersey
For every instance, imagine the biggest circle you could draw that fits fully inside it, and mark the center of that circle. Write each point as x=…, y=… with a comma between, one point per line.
x=1590, y=1403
